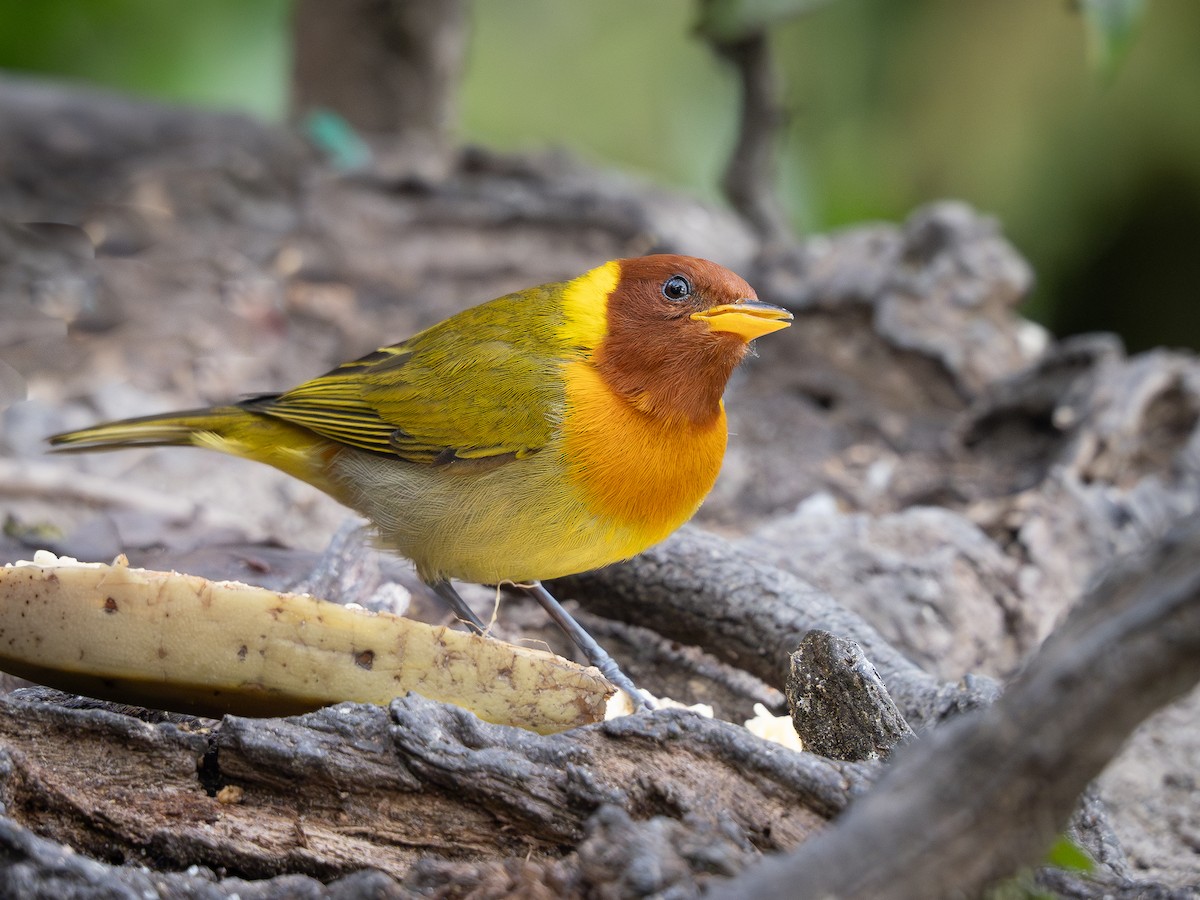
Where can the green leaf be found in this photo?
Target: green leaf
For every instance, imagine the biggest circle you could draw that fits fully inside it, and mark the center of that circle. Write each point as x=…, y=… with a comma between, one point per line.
x=1112, y=27
x=1066, y=854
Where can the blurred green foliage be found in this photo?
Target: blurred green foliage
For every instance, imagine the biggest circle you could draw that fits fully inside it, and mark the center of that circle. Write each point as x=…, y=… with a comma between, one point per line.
x=212, y=52
x=1112, y=26
x=1076, y=124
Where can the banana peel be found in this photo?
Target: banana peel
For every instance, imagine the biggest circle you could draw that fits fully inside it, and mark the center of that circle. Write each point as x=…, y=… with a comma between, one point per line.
x=184, y=643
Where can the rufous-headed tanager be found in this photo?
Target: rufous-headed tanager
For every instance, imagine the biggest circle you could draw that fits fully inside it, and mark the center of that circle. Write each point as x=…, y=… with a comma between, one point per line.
x=547, y=432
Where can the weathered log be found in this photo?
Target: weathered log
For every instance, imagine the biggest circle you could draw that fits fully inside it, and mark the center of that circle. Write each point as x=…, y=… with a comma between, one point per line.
x=990, y=790
x=327, y=793
x=697, y=588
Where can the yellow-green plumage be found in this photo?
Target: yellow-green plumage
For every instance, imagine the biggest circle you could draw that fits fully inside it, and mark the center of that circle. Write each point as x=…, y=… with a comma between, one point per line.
x=421, y=400
x=547, y=432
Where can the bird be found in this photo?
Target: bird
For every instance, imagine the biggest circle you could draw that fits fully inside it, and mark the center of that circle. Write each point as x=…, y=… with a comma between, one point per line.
x=548, y=432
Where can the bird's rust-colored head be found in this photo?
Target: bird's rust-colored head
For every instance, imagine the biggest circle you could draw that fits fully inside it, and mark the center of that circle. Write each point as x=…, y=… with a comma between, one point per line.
x=677, y=326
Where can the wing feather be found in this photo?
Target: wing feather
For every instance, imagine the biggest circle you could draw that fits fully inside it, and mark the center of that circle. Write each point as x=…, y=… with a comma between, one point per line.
x=469, y=388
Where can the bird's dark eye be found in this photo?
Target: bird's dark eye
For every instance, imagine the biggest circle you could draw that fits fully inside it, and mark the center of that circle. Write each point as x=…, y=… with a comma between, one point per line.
x=676, y=288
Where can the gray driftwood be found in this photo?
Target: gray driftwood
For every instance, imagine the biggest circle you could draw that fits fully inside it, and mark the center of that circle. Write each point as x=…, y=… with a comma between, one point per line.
x=697, y=588
x=986, y=794
x=325, y=794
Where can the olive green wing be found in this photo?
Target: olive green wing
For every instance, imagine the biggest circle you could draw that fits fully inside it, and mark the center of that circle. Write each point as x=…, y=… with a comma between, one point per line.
x=461, y=390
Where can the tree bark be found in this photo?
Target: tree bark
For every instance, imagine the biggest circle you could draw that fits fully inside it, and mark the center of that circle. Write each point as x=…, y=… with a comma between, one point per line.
x=319, y=794
x=838, y=703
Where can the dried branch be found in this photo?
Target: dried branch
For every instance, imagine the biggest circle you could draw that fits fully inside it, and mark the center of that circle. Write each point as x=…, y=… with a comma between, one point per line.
x=749, y=179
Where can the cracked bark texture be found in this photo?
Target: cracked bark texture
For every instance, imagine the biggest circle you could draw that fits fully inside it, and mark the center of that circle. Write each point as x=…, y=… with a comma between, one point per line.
x=321, y=795
x=1013, y=773
x=912, y=467
x=839, y=705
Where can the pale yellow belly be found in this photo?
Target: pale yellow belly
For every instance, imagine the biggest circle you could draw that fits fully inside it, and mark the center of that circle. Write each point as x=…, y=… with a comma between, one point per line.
x=519, y=521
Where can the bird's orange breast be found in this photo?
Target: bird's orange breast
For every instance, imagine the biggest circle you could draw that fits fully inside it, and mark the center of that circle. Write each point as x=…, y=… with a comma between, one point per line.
x=644, y=474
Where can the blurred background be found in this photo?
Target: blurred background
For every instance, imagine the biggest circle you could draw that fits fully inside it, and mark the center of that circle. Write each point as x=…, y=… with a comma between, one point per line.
x=1083, y=141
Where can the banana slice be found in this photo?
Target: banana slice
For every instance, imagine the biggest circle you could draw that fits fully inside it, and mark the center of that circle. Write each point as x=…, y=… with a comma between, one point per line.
x=181, y=642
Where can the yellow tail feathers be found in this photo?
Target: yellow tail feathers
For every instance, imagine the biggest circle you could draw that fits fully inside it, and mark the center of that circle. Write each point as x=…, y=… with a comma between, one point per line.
x=228, y=429
x=172, y=429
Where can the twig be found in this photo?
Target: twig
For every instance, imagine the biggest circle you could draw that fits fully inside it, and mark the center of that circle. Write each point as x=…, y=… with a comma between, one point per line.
x=45, y=480
x=749, y=179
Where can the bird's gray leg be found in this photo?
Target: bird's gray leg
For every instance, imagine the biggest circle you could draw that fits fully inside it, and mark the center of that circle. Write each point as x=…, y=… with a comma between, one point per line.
x=595, y=654
x=446, y=591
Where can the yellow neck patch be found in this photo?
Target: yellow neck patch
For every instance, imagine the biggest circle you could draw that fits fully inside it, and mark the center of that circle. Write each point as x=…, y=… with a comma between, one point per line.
x=585, y=305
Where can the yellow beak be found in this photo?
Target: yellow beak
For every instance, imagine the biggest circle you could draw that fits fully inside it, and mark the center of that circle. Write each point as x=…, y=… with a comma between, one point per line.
x=747, y=319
